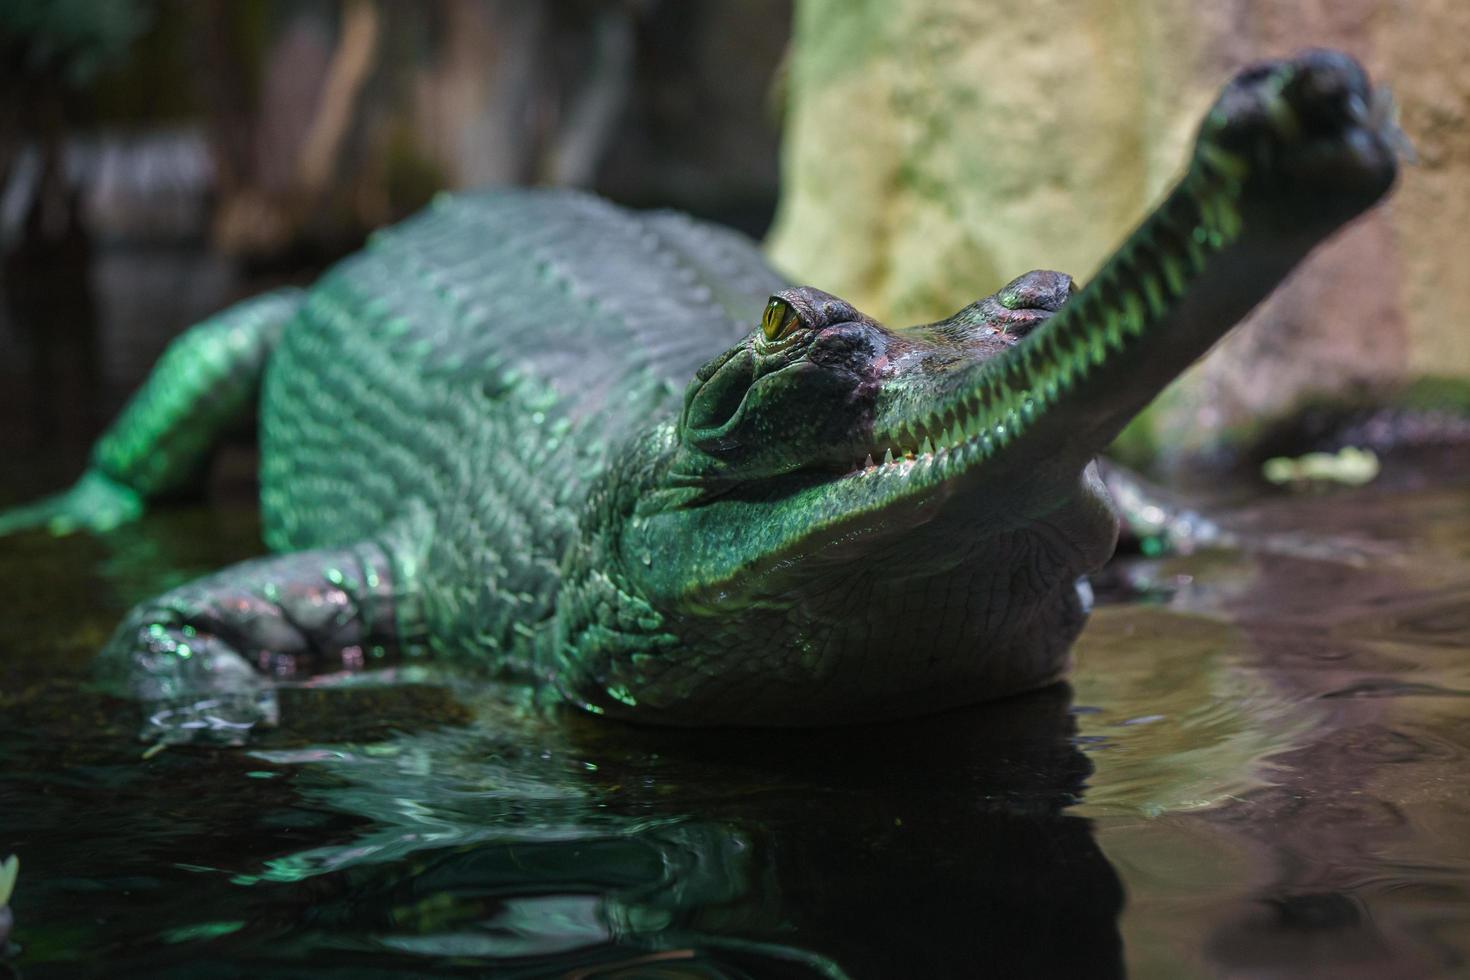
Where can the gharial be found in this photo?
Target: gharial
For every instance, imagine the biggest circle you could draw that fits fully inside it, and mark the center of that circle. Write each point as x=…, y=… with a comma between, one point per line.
x=474, y=443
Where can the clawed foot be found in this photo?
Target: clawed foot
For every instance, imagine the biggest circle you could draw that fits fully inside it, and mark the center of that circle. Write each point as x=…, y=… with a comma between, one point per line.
x=194, y=688
x=94, y=503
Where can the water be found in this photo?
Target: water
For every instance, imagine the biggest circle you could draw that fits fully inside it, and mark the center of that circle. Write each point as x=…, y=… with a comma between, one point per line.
x=1260, y=769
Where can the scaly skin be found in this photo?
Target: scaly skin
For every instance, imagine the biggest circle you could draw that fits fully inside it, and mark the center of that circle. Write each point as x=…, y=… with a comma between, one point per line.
x=473, y=443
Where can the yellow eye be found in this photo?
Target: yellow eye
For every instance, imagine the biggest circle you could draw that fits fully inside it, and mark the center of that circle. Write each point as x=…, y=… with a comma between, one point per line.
x=779, y=319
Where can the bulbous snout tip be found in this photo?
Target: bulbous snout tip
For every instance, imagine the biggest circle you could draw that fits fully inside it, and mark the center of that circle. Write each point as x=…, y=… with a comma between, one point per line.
x=1330, y=94
x=1310, y=135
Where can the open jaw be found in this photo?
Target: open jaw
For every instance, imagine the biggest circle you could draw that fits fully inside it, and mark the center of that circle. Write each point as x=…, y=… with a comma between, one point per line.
x=1291, y=151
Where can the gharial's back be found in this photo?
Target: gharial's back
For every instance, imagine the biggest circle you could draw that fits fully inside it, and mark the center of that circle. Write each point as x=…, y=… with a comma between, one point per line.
x=453, y=354
x=475, y=365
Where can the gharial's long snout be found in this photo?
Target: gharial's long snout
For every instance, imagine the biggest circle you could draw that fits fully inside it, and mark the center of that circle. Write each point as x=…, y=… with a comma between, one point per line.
x=1290, y=151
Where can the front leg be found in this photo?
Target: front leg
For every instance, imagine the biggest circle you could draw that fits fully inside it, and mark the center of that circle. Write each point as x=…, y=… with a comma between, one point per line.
x=204, y=658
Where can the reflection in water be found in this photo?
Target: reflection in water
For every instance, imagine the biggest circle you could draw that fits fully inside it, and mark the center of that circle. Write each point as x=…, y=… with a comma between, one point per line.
x=1174, y=720
x=1380, y=651
x=903, y=850
x=1268, y=756
x=1350, y=842
x=544, y=845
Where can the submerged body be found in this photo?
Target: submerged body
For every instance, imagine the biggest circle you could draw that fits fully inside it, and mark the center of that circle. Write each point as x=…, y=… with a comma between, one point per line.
x=479, y=438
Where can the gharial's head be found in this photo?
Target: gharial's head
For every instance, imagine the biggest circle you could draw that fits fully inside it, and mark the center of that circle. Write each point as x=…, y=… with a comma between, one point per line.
x=848, y=522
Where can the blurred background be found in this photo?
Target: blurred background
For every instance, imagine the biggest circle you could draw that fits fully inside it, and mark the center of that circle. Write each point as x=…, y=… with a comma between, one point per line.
x=160, y=158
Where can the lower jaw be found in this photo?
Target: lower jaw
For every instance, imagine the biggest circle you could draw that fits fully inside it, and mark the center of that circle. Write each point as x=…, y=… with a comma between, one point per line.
x=994, y=619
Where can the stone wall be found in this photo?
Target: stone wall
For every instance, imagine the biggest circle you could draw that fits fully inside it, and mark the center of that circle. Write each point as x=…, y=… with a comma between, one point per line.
x=936, y=148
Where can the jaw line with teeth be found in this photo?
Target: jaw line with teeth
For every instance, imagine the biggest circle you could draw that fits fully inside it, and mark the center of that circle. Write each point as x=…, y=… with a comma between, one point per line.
x=1035, y=413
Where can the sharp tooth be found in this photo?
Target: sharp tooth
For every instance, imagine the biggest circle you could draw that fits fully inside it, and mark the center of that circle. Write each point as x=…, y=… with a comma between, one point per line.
x=868, y=463
x=887, y=455
x=1153, y=294
x=1196, y=252
x=927, y=448
x=1207, y=215
x=1229, y=221
x=1173, y=274
x=1132, y=313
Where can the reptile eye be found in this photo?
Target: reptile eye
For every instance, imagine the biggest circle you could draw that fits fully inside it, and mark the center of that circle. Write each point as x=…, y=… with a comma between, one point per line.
x=779, y=319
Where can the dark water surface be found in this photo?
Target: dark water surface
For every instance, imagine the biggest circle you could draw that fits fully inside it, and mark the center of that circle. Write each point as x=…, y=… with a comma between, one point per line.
x=1260, y=769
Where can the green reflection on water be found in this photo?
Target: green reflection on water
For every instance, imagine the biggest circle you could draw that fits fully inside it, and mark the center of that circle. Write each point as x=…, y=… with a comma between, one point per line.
x=203, y=930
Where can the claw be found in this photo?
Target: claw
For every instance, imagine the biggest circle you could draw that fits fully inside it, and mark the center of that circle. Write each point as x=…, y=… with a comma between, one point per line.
x=95, y=503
